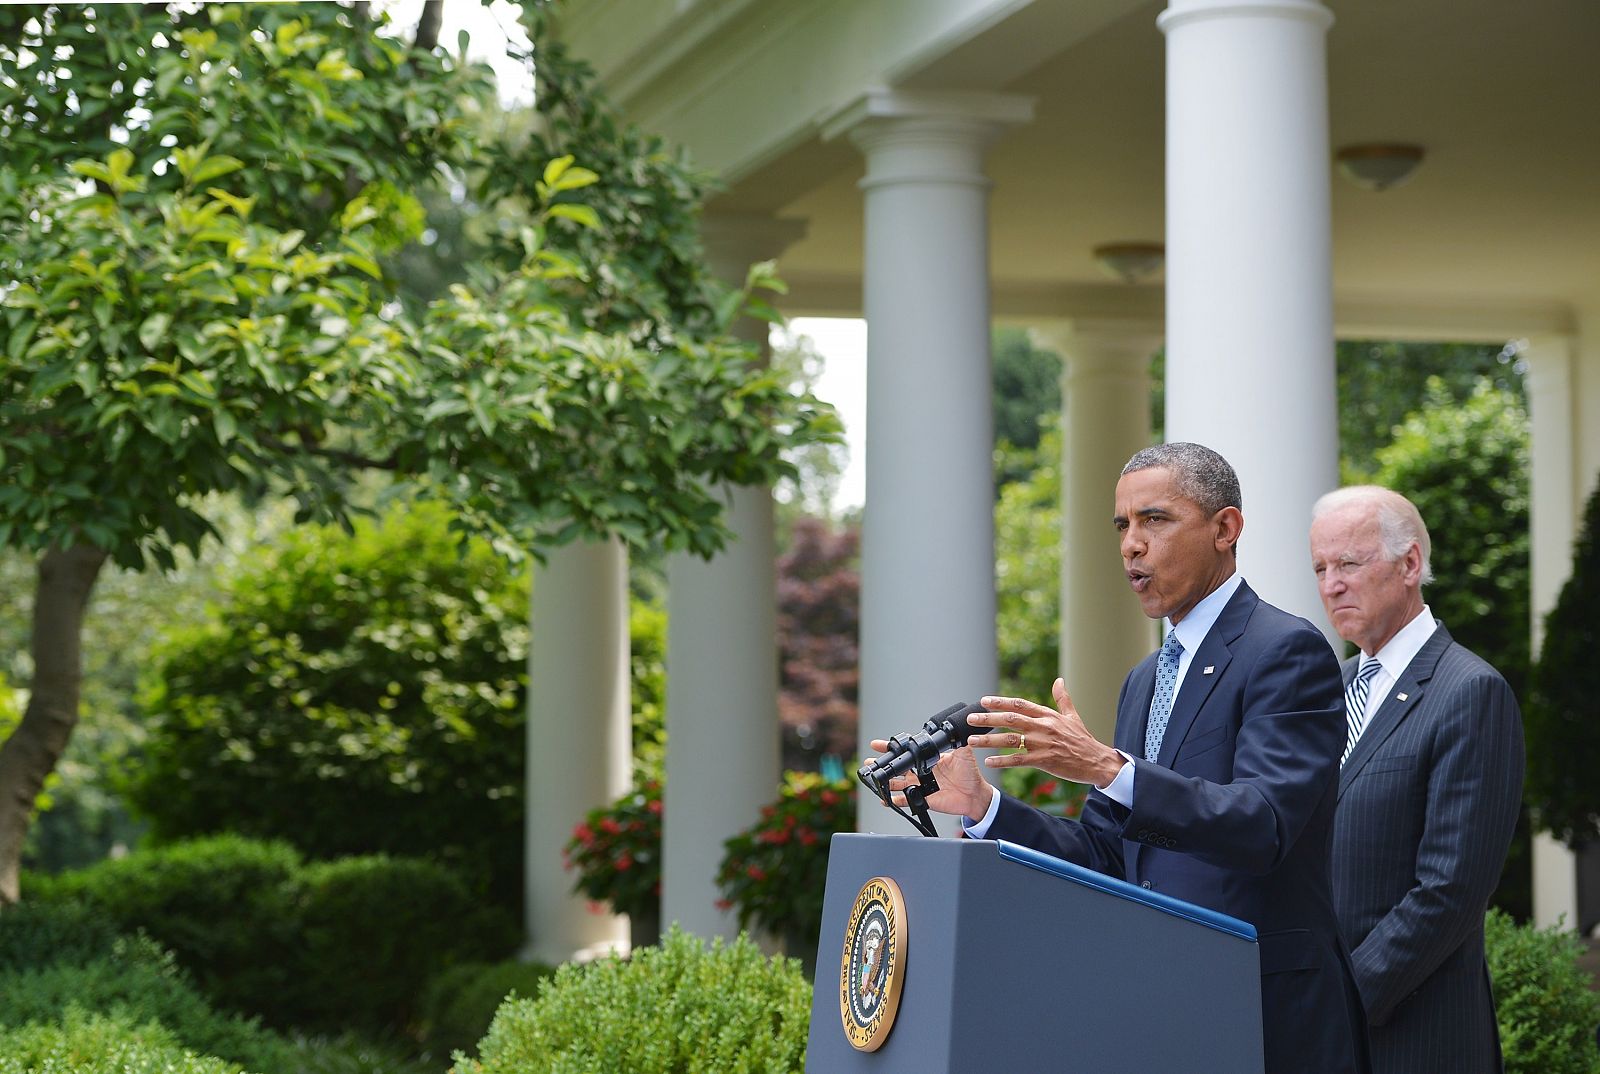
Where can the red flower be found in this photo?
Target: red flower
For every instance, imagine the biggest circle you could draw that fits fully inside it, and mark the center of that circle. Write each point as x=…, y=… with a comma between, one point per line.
x=724, y=904
x=755, y=872
x=654, y=806
x=625, y=862
x=609, y=826
x=829, y=798
x=808, y=837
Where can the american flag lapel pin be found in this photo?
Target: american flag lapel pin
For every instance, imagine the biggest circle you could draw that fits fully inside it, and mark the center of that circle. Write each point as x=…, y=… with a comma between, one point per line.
x=1401, y=697
x=1209, y=669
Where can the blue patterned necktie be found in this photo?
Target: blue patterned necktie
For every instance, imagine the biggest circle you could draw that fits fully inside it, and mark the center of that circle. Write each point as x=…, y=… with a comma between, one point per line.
x=1355, y=703
x=1161, y=703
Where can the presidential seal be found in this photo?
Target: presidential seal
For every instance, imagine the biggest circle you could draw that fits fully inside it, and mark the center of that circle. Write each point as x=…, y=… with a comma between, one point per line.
x=873, y=966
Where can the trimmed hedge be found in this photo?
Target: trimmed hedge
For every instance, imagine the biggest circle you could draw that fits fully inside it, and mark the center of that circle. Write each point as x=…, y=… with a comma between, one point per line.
x=460, y=1003
x=676, y=1007
x=96, y=1044
x=329, y=946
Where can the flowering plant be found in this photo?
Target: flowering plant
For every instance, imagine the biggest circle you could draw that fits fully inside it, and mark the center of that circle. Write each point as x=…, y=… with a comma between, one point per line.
x=774, y=871
x=616, y=852
x=1044, y=791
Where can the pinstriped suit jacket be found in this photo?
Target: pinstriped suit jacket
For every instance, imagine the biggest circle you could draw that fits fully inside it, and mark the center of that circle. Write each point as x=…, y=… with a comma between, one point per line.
x=1427, y=803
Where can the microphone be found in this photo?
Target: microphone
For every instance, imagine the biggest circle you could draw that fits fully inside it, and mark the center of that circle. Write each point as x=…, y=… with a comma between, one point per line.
x=944, y=731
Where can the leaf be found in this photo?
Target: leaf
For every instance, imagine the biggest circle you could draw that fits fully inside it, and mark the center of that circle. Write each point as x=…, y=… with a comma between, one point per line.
x=582, y=214
x=213, y=167
x=556, y=169
x=154, y=329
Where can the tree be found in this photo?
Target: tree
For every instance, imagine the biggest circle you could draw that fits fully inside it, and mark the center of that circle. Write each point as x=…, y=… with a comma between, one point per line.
x=1027, y=523
x=1027, y=398
x=206, y=319
x=1466, y=468
x=1563, y=737
x=1383, y=383
x=819, y=626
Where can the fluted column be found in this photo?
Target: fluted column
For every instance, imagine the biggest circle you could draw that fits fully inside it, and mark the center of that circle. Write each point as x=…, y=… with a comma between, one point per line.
x=1250, y=366
x=927, y=545
x=722, y=664
x=580, y=745
x=1105, y=418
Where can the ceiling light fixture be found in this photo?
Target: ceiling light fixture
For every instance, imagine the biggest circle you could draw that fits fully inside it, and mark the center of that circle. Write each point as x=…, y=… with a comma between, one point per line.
x=1379, y=166
x=1130, y=262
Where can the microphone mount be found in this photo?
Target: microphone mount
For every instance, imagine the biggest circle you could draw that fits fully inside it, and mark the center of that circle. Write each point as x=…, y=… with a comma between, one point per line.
x=916, y=752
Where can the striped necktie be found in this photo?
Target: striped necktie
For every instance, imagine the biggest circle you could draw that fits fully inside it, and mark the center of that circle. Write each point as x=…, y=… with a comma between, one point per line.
x=1161, y=703
x=1355, y=703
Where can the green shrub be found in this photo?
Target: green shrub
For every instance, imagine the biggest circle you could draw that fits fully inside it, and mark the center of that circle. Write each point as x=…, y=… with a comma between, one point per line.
x=36, y=933
x=375, y=929
x=1543, y=999
x=139, y=983
x=676, y=1007
x=221, y=905
x=96, y=1044
x=459, y=1004
x=345, y=944
x=375, y=681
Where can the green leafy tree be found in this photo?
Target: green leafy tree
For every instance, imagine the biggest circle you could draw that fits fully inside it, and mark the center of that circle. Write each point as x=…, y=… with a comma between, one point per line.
x=1027, y=523
x=202, y=320
x=1027, y=401
x=1382, y=383
x=376, y=681
x=1465, y=466
x=1563, y=738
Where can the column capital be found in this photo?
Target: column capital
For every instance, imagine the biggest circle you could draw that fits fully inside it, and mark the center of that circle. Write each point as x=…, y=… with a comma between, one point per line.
x=881, y=118
x=1182, y=12
x=734, y=241
x=1114, y=338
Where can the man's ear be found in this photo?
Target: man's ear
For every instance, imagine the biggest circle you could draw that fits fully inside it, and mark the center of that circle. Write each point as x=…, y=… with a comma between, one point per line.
x=1411, y=565
x=1229, y=523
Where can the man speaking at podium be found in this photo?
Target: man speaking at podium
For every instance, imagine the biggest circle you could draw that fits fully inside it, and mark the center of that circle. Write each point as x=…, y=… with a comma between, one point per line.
x=1221, y=787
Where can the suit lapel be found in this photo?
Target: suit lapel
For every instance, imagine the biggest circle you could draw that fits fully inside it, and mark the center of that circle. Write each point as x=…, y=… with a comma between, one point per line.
x=1402, y=699
x=1215, y=653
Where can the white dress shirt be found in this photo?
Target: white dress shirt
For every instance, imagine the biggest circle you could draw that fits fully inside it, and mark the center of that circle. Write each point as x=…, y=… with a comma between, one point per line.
x=1394, y=658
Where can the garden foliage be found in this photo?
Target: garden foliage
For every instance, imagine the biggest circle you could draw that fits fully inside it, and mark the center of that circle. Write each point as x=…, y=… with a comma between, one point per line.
x=677, y=1008
x=1545, y=1004
x=326, y=946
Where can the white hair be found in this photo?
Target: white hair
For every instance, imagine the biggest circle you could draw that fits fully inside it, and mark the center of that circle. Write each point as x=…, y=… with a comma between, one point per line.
x=1399, y=522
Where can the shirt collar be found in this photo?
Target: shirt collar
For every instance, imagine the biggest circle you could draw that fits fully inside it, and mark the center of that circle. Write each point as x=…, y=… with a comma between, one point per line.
x=1203, y=616
x=1406, y=643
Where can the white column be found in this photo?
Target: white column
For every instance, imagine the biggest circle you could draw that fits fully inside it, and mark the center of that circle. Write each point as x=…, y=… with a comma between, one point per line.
x=1553, y=523
x=927, y=546
x=1250, y=369
x=580, y=745
x=722, y=663
x=1105, y=418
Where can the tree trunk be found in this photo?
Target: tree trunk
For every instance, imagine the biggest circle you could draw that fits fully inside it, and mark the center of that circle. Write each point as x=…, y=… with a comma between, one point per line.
x=66, y=578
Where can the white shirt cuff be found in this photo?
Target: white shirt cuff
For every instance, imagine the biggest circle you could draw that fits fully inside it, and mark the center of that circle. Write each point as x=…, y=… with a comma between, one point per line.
x=979, y=829
x=1120, y=789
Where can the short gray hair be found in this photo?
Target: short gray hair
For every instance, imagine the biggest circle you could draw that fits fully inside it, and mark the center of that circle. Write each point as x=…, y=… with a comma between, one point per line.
x=1199, y=473
x=1399, y=522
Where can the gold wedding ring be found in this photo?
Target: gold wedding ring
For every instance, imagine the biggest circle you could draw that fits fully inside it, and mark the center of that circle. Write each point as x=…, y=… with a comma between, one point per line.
x=1022, y=741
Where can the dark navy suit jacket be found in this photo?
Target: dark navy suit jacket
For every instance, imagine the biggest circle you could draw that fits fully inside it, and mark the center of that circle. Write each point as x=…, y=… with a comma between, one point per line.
x=1427, y=804
x=1236, y=814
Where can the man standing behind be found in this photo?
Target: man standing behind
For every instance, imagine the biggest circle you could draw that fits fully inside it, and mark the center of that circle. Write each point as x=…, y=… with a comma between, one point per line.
x=1428, y=792
x=1220, y=787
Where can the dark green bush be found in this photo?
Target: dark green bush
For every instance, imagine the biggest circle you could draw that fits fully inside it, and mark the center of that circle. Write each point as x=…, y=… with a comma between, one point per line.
x=96, y=1044
x=376, y=929
x=221, y=905
x=139, y=983
x=36, y=933
x=351, y=694
x=1544, y=1002
x=345, y=944
x=459, y=1004
x=676, y=1007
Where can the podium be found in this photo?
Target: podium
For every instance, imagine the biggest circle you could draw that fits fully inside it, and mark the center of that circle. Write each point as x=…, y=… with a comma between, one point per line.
x=1016, y=960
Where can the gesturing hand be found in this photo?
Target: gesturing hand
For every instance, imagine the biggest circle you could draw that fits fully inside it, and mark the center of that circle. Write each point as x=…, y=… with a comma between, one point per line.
x=1055, y=741
x=962, y=788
